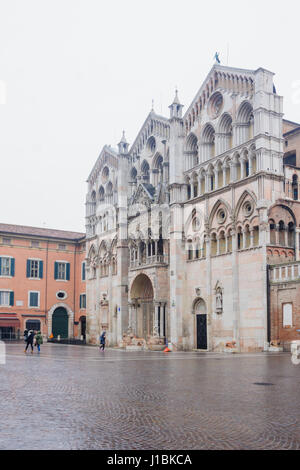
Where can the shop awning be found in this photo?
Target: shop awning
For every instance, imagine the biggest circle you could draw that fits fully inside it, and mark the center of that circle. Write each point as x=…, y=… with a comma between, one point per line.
x=7, y=321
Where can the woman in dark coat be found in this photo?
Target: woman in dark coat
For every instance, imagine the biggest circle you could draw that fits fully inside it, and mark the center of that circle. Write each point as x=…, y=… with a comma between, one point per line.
x=29, y=341
x=102, y=341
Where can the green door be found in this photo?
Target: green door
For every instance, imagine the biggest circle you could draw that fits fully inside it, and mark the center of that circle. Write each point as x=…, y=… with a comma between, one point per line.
x=60, y=323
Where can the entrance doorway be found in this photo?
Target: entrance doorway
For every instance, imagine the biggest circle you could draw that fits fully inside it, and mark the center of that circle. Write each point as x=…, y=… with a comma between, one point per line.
x=83, y=326
x=142, y=312
x=60, y=323
x=34, y=325
x=201, y=324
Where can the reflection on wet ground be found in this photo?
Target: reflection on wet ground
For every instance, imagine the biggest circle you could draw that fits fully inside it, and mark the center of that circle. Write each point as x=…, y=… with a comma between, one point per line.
x=76, y=397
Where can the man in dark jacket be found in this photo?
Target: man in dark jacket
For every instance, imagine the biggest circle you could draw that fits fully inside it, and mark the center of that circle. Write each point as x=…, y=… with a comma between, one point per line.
x=29, y=341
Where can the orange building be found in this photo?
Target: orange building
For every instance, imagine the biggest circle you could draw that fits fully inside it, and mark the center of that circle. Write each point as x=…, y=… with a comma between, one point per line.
x=42, y=282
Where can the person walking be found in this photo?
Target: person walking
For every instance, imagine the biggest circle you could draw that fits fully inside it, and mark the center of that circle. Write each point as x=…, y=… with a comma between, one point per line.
x=102, y=341
x=29, y=341
x=38, y=340
x=25, y=335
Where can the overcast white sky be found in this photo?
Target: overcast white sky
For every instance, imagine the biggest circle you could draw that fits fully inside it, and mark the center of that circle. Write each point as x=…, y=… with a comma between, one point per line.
x=79, y=71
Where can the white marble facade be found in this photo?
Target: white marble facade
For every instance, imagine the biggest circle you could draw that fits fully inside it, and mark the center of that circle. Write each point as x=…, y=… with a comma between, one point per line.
x=177, y=224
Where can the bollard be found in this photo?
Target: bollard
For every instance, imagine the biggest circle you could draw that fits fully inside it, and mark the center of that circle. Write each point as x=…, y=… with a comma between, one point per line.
x=58, y=337
x=2, y=353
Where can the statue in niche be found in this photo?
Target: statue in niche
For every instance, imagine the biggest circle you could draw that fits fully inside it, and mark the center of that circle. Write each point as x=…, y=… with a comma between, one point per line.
x=219, y=300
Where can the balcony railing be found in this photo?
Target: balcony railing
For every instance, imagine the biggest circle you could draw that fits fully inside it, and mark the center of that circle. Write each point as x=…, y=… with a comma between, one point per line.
x=285, y=272
x=149, y=261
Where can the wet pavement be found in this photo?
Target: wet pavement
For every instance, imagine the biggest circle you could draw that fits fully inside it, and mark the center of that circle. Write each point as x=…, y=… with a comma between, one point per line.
x=76, y=397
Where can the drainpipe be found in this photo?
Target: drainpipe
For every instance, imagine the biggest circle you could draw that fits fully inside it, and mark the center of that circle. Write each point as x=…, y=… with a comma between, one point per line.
x=46, y=286
x=74, y=294
x=268, y=305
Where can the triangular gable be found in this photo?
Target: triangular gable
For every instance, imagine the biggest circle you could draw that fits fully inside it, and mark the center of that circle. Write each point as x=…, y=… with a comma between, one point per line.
x=108, y=156
x=211, y=76
x=144, y=194
x=154, y=125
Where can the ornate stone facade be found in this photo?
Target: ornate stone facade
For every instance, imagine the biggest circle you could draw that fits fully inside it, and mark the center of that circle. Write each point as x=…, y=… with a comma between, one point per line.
x=182, y=226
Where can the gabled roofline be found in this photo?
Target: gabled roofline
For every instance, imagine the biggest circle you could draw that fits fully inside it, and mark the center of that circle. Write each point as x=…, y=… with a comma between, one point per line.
x=292, y=131
x=25, y=231
x=220, y=68
x=153, y=115
x=105, y=148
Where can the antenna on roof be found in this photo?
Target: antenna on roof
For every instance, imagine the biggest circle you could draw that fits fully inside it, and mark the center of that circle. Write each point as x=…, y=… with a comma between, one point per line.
x=227, y=53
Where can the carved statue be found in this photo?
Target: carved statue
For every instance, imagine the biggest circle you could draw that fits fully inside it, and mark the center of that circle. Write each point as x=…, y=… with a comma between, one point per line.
x=219, y=301
x=217, y=57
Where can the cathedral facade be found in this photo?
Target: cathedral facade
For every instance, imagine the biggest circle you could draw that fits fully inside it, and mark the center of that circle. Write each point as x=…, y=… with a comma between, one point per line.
x=185, y=229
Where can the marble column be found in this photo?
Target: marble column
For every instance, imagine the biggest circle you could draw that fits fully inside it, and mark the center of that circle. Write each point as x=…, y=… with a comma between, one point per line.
x=155, y=323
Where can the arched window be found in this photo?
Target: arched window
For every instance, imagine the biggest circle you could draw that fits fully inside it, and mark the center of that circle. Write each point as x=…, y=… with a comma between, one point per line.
x=133, y=175
x=101, y=194
x=281, y=233
x=222, y=243
x=225, y=129
x=191, y=151
x=244, y=128
x=207, y=149
x=145, y=169
x=295, y=187
x=213, y=244
x=291, y=234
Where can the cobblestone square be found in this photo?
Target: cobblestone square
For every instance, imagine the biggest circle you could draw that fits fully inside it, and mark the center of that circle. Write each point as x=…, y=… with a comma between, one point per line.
x=75, y=397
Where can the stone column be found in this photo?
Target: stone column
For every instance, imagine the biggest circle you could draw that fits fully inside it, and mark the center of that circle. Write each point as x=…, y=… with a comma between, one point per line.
x=226, y=243
x=250, y=165
x=130, y=309
x=162, y=307
x=207, y=182
x=242, y=163
x=133, y=317
x=224, y=176
x=235, y=291
x=218, y=245
x=155, y=323
x=297, y=234
x=251, y=238
x=286, y=237
x=244, y=239
x=277, y=234
x=216, y=179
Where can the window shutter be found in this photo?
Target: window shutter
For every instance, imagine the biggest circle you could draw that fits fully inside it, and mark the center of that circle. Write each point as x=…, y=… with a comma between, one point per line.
x=12, y=266
x=0, y=265
x=80, y=301
x=84, y=301
x=55, y=270
x=41, y=269
x=34, y=298
x=11, y=299
x=83, y=272
x=28, y=268
x=68, y=271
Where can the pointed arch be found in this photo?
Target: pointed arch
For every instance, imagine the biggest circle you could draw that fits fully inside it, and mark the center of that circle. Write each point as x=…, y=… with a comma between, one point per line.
x=191, y=143
x=245, y=112
x=92, y=251
x=102, y=249
x=247, y=194
x=221, y=202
